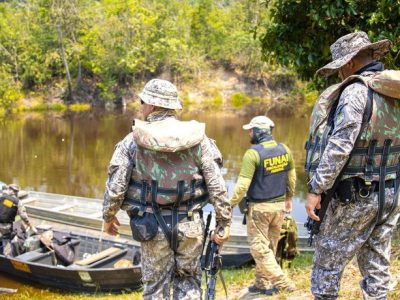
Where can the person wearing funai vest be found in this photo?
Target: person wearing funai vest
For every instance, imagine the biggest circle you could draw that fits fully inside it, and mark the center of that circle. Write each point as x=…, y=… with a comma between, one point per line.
x=353, y=154
x=268, y=178
x=162, y=174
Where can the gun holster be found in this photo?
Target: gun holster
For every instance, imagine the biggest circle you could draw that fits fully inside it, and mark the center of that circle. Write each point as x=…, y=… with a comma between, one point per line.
x=244, y=205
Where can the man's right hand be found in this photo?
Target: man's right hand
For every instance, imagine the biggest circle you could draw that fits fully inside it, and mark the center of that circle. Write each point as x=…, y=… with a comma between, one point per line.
x=112, y=227
x=221, y=239
x=313, y=201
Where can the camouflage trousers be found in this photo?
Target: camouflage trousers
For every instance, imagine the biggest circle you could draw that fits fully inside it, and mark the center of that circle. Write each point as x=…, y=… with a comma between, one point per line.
x=161, y=266
x=350, y=230
x=264, y=224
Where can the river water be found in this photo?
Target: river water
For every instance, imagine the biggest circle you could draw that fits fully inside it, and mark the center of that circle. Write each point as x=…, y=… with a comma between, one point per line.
x=68, y=153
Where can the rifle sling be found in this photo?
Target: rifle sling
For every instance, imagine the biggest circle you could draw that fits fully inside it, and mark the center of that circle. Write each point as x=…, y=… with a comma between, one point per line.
x=223, y=284
x=157, y=213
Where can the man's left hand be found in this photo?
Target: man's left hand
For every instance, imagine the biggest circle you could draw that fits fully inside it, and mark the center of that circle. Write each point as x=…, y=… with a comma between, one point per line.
x=288, y=205
x=313, y=201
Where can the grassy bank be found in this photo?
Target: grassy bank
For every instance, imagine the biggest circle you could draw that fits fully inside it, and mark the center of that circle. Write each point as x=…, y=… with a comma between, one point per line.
x=237, y=280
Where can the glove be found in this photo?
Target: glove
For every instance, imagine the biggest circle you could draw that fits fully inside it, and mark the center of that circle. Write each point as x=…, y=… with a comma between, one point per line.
x=221, y=234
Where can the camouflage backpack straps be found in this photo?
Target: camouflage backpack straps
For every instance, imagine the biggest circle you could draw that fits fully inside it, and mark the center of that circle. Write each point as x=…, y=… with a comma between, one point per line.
x=321, y=119
x=287, y=246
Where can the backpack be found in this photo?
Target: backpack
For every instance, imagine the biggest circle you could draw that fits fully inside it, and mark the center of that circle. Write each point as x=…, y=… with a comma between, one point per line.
x=383, y=99
x=386, y=83
x=287, y=245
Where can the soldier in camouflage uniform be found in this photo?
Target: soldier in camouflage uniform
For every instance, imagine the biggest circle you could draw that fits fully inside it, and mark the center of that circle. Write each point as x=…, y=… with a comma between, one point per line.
x=167, y=170
x=268, y=177
x=354, y=141
x=10, y=207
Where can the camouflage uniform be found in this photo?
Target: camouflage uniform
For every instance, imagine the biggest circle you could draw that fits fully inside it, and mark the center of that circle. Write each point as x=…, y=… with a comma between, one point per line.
x=351, y=229
x=7, y=228
x=160, y=264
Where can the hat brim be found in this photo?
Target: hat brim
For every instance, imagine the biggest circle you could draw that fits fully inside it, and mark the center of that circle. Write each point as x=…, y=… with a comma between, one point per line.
x=380, y=49
x=247, y=126
x=152, y=100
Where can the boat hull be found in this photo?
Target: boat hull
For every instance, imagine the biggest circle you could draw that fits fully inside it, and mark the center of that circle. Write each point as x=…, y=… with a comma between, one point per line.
x=84, y=280
x=39, y=266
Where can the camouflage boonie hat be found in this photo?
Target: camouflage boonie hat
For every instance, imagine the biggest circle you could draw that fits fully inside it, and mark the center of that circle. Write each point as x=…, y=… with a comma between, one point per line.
x=261, y=122
x=161, y=93
x=348, y=46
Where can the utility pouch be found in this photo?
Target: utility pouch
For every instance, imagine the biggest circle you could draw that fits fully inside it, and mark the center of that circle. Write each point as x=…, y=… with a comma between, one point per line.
x=346, y=192
x=243, y=205
x=145, y=227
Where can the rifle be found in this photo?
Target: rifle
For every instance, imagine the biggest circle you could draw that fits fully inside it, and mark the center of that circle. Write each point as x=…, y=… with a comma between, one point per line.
x=208, y=222
x=213, y=265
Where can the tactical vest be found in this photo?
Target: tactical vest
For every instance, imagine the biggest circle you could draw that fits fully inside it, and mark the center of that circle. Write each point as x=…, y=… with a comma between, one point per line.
x=8, y=208
x=270, y=178
x=376, y=153
x=168, y=159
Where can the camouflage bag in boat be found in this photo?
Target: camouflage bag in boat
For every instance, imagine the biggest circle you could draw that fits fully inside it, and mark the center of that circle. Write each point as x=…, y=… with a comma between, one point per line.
x=62, y=247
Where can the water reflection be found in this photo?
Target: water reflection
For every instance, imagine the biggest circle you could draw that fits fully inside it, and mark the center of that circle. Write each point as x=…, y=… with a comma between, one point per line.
x=69, y=153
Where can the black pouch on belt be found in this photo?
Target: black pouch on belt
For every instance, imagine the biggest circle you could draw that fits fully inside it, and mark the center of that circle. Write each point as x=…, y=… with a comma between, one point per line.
x=145, y=227
x=346, y=191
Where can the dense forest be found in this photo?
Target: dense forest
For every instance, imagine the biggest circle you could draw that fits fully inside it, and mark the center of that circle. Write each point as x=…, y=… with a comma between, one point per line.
x=115, y=43
x=103, y=47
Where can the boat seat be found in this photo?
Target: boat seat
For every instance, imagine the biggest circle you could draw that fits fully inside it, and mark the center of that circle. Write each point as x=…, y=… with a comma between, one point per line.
x=99, y=256
x=36, y=255
x=63, y=207
x=108, y=259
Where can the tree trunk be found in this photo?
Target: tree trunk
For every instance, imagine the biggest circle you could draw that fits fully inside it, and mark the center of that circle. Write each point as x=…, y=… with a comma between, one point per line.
x=64, y=58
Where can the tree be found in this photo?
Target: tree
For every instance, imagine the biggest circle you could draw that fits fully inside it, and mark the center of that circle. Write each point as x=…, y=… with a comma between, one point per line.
x=298, y=33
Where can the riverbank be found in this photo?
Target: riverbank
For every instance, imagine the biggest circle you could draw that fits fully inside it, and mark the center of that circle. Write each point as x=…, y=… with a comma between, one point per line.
x=237, y=281
x=217, y=89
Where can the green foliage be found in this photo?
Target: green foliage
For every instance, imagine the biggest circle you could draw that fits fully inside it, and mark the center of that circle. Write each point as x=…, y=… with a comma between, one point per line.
x=9, y=91
x=298, y=33
x=117, y=43
x=48, y=107
x=238, y=100
x=79, y=107
x=213, y=100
